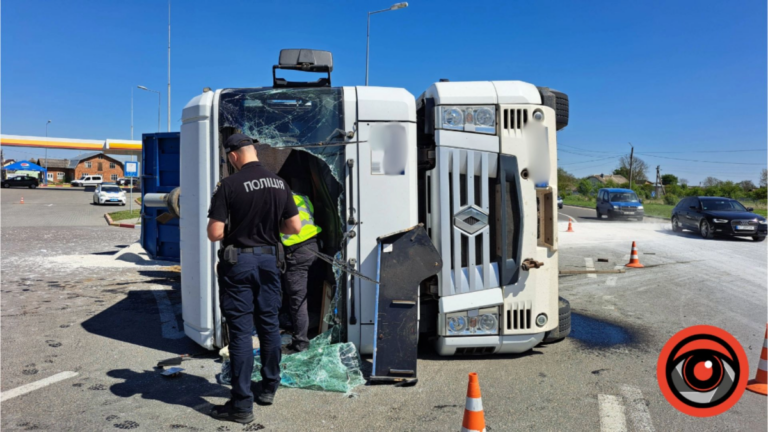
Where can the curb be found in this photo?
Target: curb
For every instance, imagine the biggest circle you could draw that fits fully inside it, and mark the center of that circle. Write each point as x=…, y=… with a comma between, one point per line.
x=110, y=222
x=55, y=186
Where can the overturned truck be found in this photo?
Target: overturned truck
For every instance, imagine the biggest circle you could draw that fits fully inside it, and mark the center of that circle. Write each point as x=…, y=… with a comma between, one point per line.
x=471, y=165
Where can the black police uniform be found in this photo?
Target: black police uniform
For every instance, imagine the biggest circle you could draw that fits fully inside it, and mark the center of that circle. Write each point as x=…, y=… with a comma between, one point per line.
x=252, y=202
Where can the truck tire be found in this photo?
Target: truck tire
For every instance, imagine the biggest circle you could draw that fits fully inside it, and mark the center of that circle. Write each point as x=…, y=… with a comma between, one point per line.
x=564, y=327
x=558, y=101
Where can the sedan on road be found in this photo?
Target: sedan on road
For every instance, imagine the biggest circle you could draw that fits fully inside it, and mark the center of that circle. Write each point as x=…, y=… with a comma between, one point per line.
x=559, y=202
x=713, y=216
x=109, y=194
x=23, y=180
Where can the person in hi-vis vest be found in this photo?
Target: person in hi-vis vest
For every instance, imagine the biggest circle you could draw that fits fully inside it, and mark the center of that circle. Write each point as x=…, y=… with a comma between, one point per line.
x=298, y=260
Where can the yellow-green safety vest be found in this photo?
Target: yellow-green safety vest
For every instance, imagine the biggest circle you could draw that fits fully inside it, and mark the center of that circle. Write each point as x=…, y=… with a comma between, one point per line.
x=308, y=227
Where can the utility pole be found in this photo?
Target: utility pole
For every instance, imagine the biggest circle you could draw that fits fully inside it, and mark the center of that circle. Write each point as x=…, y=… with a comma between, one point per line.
x=631, y=157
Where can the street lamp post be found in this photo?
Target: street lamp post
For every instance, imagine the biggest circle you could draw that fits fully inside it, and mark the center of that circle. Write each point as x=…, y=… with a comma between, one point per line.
x=631, y=157
x=46, y=153
x=131, y=113
x=159, y=102
x=395, y=6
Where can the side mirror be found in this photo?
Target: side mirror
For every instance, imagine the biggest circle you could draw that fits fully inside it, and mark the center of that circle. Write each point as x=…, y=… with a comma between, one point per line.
x=640, y=200
x=749, y=209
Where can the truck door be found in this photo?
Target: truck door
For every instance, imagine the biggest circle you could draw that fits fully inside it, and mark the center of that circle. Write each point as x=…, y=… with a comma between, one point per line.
x=384, y=194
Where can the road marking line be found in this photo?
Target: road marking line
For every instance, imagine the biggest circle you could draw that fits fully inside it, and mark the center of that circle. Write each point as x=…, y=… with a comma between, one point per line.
x=568, y=216
x=611, y=281
x=607, y=300
x=611, y=414
x=26, y=388
x=638, y=410
x=168, y=321
x=590, y=265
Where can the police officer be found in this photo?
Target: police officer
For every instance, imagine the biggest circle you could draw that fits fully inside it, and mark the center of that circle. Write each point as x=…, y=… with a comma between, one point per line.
x=249, y=210
x=299, y=257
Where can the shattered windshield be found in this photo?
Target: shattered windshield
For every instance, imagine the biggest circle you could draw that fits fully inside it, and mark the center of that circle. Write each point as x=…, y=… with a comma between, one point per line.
x=284, y=117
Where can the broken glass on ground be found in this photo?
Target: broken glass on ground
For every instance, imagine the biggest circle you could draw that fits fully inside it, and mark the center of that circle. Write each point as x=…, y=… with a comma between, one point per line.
x=325, y=365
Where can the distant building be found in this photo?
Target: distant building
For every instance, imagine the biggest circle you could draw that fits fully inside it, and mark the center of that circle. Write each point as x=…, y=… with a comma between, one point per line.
x=8, y=162
x=602, y=179
x=58, y=169
x=66, y=170
x=97, y=163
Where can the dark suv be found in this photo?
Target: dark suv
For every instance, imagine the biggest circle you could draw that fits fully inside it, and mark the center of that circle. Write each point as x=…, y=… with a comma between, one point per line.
x=25, y=180
x=713, y=216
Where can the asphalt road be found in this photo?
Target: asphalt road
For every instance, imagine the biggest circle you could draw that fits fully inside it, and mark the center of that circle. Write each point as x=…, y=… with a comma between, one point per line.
x=66, y=307
x=583, y=214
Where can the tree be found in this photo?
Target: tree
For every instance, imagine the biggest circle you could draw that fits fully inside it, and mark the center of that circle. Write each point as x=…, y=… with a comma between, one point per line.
x=764, y=178
x=669, y=180
x=747, y=185
x=565, y=181
x=639, y=169
x=585, y=187
x=711, y=181
x=684, y=182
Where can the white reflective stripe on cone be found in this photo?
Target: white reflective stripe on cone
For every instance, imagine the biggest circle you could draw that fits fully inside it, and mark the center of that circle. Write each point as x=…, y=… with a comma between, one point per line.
x=763, y=365
x=463, y=429
x=474, y=404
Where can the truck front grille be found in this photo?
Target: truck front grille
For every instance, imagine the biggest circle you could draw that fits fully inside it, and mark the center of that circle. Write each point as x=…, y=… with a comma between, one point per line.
x=514, y=119
x=519, y=316
x=475, y=350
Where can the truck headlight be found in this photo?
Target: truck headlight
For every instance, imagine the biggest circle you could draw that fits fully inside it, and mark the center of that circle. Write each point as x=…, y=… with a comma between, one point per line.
x=720, y=220
x=639, y=207
x=473, y=322
x=480, y=119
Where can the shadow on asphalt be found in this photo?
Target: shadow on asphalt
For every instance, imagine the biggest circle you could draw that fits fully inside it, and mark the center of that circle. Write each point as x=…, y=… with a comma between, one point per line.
x=185, y=390
x=697, y=236
x=136, y=320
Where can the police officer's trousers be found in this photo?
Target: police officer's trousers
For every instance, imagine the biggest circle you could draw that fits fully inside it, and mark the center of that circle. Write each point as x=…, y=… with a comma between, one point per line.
x=249, y=292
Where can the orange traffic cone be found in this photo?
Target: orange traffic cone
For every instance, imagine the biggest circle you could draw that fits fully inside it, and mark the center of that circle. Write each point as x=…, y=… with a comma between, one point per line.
x=633, y=260
x=760, y=383
x=474, y=419
x=570, y=225
x=22, y=200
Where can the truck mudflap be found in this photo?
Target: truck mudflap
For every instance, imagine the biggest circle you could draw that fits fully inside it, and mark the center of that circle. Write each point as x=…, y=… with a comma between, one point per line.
x=405, y=259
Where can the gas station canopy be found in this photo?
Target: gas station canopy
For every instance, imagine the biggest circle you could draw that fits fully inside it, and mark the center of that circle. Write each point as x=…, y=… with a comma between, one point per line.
x=109, y=146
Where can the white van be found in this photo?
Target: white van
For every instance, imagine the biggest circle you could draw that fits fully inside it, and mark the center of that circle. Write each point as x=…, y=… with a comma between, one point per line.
x=88, y=180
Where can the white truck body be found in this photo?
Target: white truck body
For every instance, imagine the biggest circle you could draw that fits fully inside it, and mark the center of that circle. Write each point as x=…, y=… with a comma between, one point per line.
x=458, y=199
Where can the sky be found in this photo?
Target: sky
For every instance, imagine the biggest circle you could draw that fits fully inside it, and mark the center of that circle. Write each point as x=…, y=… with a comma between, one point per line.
x=683, y=81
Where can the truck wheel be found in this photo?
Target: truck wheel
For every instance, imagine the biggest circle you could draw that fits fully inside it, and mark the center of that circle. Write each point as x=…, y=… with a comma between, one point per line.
x=558, y=101
x=564, y=327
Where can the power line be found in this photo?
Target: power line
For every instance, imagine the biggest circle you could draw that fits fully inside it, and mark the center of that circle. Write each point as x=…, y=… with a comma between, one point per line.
x=713, y=151
x=701, y=161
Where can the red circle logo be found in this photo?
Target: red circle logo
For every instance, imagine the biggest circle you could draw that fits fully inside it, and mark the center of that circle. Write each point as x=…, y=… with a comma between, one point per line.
x=702, y=371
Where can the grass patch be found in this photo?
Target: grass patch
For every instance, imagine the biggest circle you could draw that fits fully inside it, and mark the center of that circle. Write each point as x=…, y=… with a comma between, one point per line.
x=125, y=214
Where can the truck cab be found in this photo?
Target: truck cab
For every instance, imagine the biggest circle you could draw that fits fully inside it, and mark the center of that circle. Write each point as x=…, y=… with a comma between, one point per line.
x=474, y=162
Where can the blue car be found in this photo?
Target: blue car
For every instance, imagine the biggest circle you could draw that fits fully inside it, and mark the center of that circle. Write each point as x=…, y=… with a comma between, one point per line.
x=619, y=203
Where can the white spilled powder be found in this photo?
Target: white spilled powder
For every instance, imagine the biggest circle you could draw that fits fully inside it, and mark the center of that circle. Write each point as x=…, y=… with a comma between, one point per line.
x=133, y=256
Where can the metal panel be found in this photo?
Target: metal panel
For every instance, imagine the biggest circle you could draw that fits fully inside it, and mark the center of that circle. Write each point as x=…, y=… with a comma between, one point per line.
x=160, y=174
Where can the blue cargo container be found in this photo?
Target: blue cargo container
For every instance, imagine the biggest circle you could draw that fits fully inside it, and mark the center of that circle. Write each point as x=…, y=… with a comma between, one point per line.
x=160, y=174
